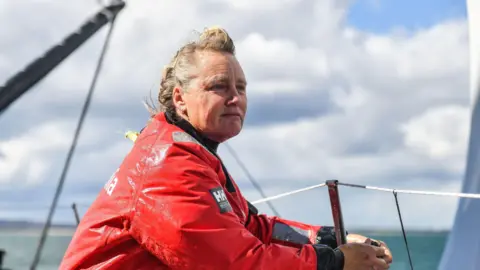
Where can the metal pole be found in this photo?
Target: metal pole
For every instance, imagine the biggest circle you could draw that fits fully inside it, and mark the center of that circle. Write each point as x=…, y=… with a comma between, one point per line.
x=340, y=232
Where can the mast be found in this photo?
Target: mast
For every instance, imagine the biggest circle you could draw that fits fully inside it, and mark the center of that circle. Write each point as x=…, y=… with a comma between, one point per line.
x=463, y=246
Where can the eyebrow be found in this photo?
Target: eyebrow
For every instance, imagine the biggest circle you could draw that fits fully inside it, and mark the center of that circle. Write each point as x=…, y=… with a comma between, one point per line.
x=218, y=77
x=242, y=81
x=222, y=77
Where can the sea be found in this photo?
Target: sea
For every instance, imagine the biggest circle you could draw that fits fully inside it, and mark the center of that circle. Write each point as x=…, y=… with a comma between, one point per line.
x=425, y=249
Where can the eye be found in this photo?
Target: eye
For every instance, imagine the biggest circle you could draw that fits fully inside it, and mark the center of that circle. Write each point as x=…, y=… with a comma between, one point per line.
x=218, y=87
x=241, y=88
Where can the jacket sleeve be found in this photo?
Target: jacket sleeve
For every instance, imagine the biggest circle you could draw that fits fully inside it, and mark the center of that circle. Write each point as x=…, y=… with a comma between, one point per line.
x=277, y=230
x=182, y=217
x=287, y=232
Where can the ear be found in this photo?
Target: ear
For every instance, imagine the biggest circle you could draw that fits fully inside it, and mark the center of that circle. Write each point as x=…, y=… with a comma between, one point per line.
x=178, y=99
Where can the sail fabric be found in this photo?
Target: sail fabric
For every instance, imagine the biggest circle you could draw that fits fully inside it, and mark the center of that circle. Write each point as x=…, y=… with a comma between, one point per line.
x=463, y=246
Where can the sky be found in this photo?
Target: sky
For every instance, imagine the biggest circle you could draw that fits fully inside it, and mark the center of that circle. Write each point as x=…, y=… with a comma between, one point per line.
x=367, y=92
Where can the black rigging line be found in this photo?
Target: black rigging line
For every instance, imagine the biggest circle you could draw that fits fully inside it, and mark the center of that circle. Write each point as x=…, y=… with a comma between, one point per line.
x=75, y=213
x=403, y=229
x=73, y=145
x=250, y=177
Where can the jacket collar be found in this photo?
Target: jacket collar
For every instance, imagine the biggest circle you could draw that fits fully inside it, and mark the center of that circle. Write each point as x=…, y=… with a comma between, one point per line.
x=188, y=128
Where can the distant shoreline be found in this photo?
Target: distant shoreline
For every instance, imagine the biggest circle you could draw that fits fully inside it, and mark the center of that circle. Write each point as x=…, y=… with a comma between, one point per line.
x=34, y=232
x=31, y=228
x=69, y=231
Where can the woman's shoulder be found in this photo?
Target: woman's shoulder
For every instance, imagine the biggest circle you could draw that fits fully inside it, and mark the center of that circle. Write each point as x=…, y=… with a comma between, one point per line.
x=159, y=140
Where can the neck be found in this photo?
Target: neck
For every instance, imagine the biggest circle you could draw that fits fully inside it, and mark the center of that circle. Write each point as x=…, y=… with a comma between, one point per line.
x=182, y=123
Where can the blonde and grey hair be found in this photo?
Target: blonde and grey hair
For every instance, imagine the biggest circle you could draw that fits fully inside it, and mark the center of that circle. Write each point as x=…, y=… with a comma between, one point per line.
x=178, y=71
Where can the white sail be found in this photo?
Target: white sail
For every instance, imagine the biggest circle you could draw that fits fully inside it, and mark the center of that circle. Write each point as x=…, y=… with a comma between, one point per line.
x=462, y=250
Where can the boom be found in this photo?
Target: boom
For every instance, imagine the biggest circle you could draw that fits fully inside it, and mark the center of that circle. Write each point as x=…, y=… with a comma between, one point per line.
x=21, y=82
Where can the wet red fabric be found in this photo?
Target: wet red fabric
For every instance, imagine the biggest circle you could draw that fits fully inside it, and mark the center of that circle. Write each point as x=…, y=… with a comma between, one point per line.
x=164, y=209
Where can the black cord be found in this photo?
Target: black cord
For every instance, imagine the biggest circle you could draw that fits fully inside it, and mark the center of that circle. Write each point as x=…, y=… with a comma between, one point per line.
x=75, y=213
x=403, y=229
x=72, y=148
x=250, y=177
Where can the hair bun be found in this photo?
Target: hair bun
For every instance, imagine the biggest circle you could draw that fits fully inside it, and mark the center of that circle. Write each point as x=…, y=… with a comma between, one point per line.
x=214, y=32
x=214, y=36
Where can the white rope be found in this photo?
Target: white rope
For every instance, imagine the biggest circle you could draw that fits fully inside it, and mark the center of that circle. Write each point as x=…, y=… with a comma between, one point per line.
x=452, y=194
x=287, y=193
x=271, y=198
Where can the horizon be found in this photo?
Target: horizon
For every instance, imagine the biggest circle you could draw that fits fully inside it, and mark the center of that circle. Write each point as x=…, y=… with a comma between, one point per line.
x=8, y=224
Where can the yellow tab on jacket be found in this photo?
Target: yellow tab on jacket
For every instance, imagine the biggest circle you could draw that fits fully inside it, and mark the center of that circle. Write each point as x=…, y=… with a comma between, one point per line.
x=132, y=135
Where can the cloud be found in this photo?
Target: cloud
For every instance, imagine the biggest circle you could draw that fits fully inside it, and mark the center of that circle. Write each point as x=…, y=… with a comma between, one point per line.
x=440, y=134
x=27, y=148
x=326, y=100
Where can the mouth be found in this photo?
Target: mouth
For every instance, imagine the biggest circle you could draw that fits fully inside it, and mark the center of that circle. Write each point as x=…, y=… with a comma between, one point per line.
x=232, y=115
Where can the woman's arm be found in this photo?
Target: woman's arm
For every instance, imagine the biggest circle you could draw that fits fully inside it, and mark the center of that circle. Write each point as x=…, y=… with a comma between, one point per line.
x=287, y=232
x=177, y=218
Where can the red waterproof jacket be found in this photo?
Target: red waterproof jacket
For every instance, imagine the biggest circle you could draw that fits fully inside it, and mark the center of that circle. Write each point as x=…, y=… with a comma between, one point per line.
x=172, y=205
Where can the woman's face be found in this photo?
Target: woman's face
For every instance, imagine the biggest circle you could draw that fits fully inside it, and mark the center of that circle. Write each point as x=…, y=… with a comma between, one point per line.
x=215, y=101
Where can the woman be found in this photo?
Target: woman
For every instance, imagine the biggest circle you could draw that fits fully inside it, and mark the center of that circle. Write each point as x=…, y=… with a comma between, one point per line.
x=172, y=204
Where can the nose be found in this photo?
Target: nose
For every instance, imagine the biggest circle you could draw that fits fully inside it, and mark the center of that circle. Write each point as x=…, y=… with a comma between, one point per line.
x=234, y=99
x=234, y=95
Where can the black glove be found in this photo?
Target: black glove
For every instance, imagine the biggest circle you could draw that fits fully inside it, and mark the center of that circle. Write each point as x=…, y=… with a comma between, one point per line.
x=326, y=236
x=329, y=259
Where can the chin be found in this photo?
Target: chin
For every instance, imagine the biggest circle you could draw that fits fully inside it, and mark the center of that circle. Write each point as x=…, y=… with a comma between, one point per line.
x=235, y=128
x=229, y=133
x=235, y=133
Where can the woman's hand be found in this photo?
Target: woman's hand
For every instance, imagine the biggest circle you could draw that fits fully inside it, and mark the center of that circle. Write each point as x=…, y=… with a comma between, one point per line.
x=357, y=238
x=363, y=256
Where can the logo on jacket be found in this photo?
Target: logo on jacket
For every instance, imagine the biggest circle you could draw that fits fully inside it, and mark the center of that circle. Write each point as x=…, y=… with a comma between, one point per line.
x=111, y=183
x=219, y=195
